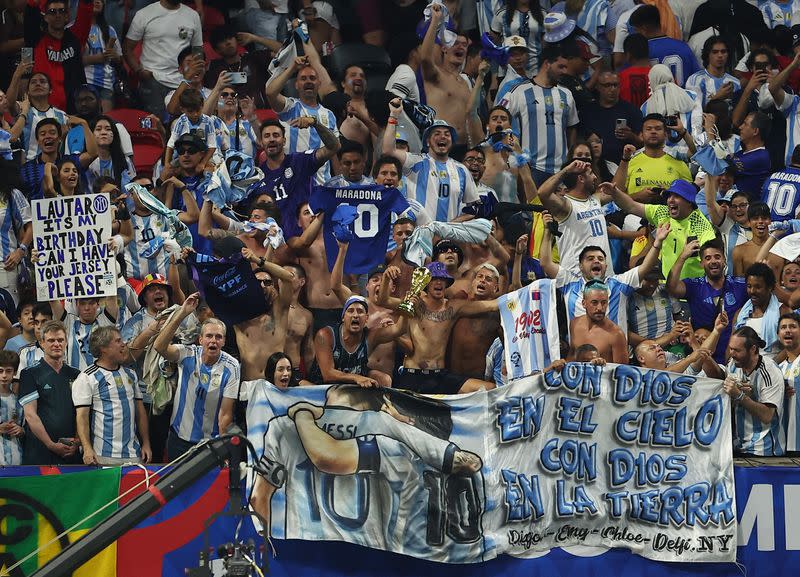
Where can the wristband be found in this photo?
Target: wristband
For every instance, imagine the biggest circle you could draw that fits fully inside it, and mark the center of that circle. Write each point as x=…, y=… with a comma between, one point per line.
x=261, y=261
x=24, y=247
x=392, y=120
x=624, y=159
x=740, y=397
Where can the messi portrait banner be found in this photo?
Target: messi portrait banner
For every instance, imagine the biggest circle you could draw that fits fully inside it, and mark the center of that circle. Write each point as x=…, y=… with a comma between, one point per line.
x=612, y=456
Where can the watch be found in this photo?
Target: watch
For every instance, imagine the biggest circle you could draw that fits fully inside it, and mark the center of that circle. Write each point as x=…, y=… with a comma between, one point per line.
x=740, y=397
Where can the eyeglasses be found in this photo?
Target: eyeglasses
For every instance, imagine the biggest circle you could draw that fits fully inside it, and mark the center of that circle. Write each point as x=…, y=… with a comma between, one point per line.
x=583, y=158
x=56, y=11
x=228, y=94
x=187, y=150
x=474, y=159
x=148, y=186
x=448, y=249
x=740, y=206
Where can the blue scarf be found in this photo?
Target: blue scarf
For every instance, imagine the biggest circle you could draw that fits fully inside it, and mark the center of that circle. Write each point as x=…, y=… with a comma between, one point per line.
x=769, y=322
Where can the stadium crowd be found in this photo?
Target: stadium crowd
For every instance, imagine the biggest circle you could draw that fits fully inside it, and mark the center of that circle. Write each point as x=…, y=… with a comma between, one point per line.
x=644, y=155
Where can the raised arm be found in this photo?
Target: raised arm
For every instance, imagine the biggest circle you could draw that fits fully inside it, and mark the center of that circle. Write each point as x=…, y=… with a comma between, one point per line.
x=428, y=50
x=675, y=285
x=516, y=270
x=558, y=206
x=389, y=145
x=337, y=273
x=163, y=343
x=714, y=209
x=385, y=298
x=623, y=199
x=620, y=179
x=546, y=249
x=274, y=85
x=303, y=242
x=777, y=82
x=474, y=122
x=651, y=258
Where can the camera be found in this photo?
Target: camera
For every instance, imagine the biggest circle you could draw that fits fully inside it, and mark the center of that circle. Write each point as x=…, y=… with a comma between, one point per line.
x=760, y=66
x=672, y=120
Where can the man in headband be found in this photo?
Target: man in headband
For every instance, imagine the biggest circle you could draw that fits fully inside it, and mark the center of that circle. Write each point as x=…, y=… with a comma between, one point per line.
x=341, y=352
x=595, y=328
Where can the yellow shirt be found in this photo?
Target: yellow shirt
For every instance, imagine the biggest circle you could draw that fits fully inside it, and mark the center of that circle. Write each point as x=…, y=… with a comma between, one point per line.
x=646, y=172
x=679, y=230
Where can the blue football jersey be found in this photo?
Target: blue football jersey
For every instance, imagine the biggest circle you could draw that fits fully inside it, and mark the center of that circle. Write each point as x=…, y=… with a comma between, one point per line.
x=780, y=192
x=374, y=205
x=675, y=55
x=289, y=185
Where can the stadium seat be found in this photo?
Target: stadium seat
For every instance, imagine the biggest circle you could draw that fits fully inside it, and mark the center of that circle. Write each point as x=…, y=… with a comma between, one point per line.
x=265, y=114
x=373, y=59
x=148, y=146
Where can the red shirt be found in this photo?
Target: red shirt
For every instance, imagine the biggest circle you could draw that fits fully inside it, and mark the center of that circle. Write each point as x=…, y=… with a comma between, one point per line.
x=634, y=85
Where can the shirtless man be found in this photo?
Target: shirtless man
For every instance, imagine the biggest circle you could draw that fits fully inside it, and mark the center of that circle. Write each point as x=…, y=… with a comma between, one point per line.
x=759, y=217
x=265, y=334
x=358, y=126
x=595, y=328
x=310, y=250
x=299, y=335
x=253, y=238
x=472, y=336
x=424, y=369
x=446, y=90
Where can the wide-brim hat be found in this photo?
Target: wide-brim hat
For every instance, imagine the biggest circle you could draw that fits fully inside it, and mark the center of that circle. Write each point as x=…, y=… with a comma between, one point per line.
x=438, y=123
x=683, y=188
x=557, y=27
x=153, y=280
x=438, y=270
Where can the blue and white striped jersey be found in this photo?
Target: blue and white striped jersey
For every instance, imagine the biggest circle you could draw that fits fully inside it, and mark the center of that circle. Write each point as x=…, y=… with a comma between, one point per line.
x=203, y=128
x=791, y=372
x=15, y=212
x=29, y=144
x=200, y=392
x=522, y=24
x=77, y=354
x=650, y=316
x=10, y=447
x=301, y=140
x=487, y=9
x=443, y=188
x=750, y=434
x=248, y=141
x=100, y=75
x=146, y=229
x=29, y=355
x=790, y=107
x=112, y=396
x=620, y=287
x=530, y=328
x=780, y=13
x=706, y=85
x=541, y=116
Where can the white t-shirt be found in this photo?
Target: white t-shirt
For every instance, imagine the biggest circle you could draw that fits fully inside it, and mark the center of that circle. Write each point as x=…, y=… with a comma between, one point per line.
x=164, y=33
x=788, y=247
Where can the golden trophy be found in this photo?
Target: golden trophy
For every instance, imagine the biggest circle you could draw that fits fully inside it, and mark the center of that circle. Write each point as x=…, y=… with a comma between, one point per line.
x=419, y=280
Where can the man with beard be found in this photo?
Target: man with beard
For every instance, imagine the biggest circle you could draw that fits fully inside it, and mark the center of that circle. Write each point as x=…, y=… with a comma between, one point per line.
x=341, y=352
x=789, y=337
x=578, y=213
x=593, y=265
x=425, y=369
x=762, y=310
x=686, y=223
x=547, y=115
x=265, y=334
x=299, y=111
x=644, y=174
x=471, y=337
x=287, y=177
x=446, y=90
x=708, y=294
x=595, y=328
x=208, y=381
x=358, y=126
x=441, y=185
x=352, y=163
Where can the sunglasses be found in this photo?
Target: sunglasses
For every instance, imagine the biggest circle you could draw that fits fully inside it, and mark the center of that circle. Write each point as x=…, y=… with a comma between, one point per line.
x=56, y=11
x=187, y=150
x=228, y=94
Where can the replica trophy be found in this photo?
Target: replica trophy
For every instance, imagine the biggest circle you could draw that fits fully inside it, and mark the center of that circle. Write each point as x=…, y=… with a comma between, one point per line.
x=419, y=280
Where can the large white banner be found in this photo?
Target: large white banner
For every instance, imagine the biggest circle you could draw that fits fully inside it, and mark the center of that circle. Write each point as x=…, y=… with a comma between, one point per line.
x=611, y=456
x=73, y=259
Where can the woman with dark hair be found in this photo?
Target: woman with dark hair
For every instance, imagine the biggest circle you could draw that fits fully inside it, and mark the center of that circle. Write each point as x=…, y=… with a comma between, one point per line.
x=583, y=150
x=524, y=18
x=102, y=51
x=111, y=160
x=279, y=370
x=62, y=179
x=16, y=233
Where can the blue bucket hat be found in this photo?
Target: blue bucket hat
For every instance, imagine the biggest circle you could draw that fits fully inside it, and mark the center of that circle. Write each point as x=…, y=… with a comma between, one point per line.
x=557, y=27
x=683, y=188
x=438, y=270
x=438, y=123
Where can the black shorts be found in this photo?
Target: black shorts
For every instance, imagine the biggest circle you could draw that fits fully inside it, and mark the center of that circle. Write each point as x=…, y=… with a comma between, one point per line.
x=429, y=381
x=325, y=318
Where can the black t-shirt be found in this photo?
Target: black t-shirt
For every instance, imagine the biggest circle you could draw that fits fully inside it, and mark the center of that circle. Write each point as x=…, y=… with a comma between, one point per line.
x=52, y=392
x=776, y=141
x=603, y=122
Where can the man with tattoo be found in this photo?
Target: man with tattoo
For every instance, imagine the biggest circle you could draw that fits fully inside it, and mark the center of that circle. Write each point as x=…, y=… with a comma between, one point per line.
x=424, y=370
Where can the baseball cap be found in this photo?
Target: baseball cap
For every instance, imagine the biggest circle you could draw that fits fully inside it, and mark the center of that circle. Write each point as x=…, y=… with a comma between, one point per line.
x=153, y=280
x=438, y=270
x=379, y=269
x=355, y=299
x=190, y=139
x=515, y=41
x=227, y=246
x=683, y=188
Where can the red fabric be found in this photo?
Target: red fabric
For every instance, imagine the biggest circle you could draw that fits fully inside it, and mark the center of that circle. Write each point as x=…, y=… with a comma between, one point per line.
x=634, y=85
x=794, y=77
